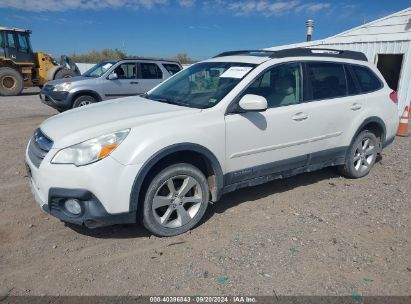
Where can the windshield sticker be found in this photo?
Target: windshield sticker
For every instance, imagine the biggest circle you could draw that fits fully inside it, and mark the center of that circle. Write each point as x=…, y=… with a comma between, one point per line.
x=236, y=72
x=106, y=66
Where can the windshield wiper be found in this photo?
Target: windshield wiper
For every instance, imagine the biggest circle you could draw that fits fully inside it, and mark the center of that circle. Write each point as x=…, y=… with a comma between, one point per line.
x=169, y=101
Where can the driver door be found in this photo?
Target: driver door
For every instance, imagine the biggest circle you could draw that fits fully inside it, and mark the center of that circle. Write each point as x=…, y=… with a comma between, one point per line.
x=278, y=139
x=126, y=83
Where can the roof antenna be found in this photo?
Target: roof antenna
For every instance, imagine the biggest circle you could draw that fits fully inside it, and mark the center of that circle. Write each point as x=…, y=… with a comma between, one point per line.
x=310, y=25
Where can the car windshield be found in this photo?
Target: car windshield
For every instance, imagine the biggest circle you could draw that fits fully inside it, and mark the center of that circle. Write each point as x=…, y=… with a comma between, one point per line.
x=99, y=69
x=202, y=85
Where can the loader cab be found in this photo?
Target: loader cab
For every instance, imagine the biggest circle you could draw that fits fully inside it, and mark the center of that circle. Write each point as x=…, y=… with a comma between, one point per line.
x=15, y=45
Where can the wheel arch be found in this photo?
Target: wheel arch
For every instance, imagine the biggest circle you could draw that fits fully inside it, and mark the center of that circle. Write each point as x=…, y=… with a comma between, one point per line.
x=79, y=93
x=375, y=125
x=194, y=154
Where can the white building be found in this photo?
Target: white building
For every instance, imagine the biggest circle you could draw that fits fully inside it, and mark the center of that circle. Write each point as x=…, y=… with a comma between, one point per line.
x=386, y=42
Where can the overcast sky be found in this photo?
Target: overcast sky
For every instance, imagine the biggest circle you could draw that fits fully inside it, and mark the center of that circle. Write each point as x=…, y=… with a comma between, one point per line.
x=199, y=28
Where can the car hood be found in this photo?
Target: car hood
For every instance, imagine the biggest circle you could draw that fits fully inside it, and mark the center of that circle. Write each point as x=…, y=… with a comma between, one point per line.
x=80, y=124
x=71, y=79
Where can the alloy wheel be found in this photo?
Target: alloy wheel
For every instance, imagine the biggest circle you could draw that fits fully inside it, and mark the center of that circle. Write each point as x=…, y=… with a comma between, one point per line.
x=364, y=155
x=177, y=201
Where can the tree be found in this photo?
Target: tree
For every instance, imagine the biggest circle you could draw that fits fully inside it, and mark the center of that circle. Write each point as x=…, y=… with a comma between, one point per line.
x=183, y=58
x=97, y=56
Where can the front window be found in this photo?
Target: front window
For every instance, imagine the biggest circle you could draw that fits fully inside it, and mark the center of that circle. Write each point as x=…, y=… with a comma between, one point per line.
x=202, y=85
x=280, y=85
x=99, y=69
x=126, y=71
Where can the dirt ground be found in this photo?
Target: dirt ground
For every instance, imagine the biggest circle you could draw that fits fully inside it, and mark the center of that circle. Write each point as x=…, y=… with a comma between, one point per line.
x=313, y=234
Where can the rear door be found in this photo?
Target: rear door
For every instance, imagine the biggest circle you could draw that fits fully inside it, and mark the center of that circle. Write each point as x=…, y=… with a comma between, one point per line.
x=126, y=83
x=148, y=76
x=333, y=103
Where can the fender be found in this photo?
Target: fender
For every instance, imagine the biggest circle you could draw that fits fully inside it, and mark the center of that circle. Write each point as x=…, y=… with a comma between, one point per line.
x=373, y=119
x=141, y=175
x=72, y=95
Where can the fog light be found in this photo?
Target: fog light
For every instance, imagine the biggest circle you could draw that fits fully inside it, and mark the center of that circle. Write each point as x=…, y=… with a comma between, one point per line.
x=73, y=206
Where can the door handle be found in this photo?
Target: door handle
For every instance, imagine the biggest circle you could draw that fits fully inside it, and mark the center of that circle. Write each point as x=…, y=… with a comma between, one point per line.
x=355, y=106
x=300, y=116
x=133, y=82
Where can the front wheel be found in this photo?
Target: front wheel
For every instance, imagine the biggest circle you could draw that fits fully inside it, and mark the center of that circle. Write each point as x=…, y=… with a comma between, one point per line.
x=175, y=200
x=83, y=101
x=11, y=82
x=361, y=155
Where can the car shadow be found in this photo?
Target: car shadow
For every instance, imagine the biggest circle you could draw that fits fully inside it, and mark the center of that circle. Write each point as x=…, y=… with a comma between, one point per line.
x=125, y=231
x=251, y=194
x=28, y=93
x=228, y=201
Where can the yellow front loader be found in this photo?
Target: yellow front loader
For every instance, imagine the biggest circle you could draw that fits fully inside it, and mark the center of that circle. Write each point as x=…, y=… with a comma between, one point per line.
x=20, y=67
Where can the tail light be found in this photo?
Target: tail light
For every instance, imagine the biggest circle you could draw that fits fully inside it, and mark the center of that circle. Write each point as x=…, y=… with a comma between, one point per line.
x=394, y=97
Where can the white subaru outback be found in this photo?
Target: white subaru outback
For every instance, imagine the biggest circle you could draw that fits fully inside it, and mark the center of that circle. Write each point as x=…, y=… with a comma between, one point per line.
x=237, y=120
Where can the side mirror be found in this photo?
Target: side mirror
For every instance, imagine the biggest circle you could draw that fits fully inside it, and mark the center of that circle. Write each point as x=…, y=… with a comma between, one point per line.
x=113, y=76
x=253, y=103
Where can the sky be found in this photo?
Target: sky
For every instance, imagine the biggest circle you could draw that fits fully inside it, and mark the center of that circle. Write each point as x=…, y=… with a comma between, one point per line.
x=163, y=28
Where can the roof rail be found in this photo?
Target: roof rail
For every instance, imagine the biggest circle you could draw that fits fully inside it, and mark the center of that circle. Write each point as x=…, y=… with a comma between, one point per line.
x=299, y=52
x=246, y=53
x=148, y=58
x=319, y=52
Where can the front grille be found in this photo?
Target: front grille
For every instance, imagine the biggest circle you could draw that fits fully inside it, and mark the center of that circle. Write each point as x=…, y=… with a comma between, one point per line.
x=39, y=146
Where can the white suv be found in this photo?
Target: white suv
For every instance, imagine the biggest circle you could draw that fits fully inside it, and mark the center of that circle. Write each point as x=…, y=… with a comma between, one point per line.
x=237, y=120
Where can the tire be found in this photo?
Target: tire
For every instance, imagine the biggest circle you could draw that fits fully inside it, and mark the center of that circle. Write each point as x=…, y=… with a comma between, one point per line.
x=83, y=101
x=11, y=82
x=64, y=73
x=361, y=155
x=164, y=211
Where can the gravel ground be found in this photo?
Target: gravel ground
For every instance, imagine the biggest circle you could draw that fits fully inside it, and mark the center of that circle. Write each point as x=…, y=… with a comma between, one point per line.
x=313, y=234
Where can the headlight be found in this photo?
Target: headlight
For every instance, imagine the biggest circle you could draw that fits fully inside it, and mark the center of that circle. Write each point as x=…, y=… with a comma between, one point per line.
x=91, y=150
x=62, y=86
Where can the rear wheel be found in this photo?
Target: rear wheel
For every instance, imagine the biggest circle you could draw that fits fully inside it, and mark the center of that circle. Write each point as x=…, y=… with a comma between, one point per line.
x=64, y=73
x=176, y=200
x=83, y=101
x=361, y=155
x=11, y=82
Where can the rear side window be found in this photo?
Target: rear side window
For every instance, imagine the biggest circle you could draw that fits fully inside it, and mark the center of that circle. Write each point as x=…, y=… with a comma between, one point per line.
x=366, y=78
x=150, y=71
x=327, y=80
x=172, y=68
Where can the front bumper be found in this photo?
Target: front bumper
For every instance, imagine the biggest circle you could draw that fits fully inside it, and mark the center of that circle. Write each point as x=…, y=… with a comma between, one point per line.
x=57, y=100
x=103, y=190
